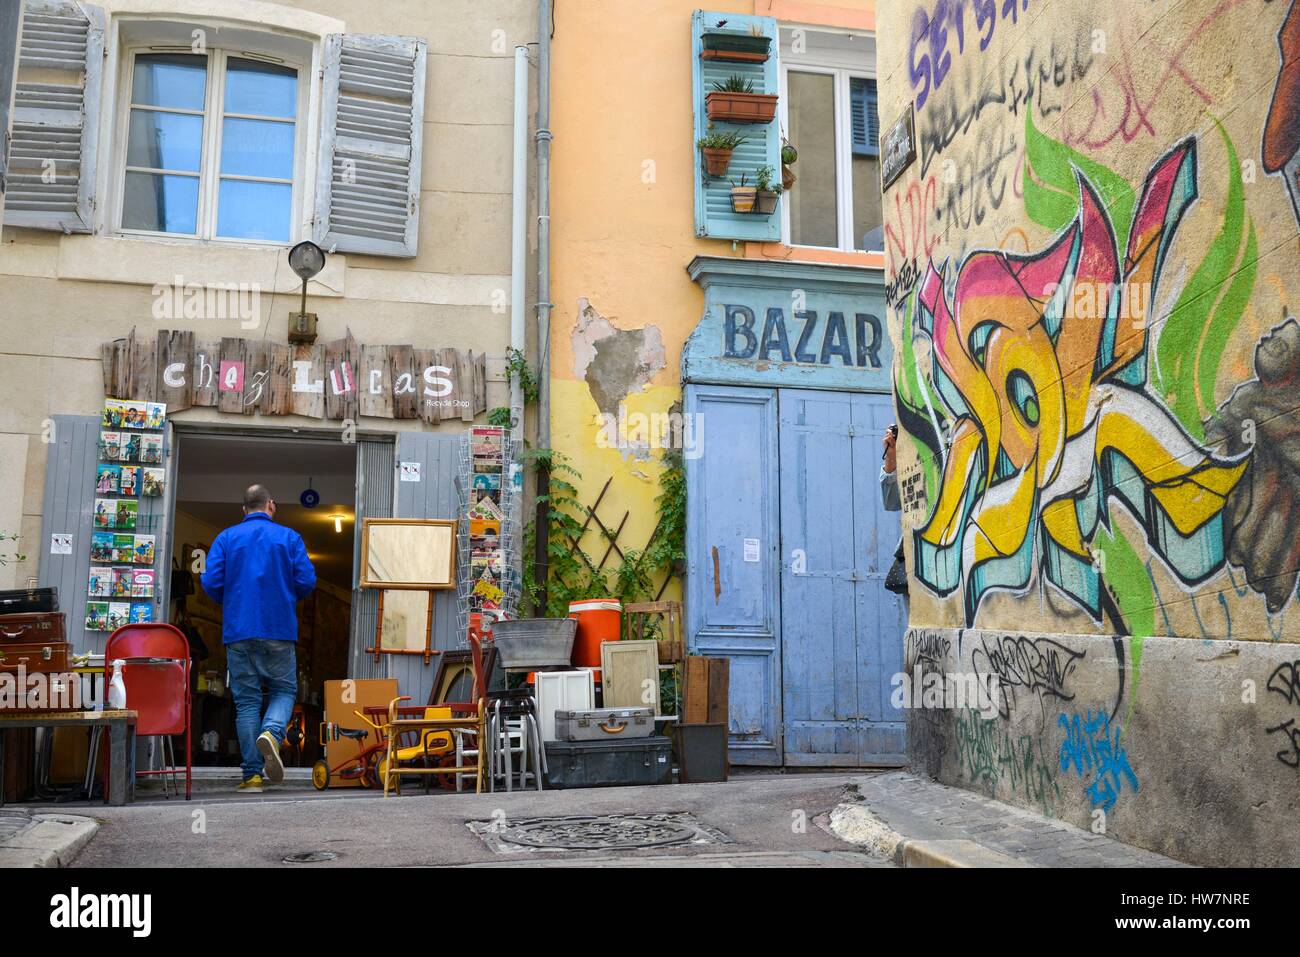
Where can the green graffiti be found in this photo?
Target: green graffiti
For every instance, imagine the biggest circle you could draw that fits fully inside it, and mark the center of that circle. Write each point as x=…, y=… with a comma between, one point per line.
x=1052, y=193
x=1192, y=339
x=1127, y=577
x=912, y=390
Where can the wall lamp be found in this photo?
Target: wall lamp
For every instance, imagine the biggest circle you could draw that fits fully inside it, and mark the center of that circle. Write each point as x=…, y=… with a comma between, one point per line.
x=306, y=260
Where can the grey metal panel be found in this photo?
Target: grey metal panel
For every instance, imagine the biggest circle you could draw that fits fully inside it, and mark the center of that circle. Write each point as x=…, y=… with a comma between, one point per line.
x=70, y=507
x=375, y=476
x=434, y=496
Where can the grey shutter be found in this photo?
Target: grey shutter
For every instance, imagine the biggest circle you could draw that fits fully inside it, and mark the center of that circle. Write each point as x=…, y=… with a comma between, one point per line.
x=11, y=16
x=434, y=496
x=375, y=473
x=55, y=124
x=372, y=121
x=69, y=506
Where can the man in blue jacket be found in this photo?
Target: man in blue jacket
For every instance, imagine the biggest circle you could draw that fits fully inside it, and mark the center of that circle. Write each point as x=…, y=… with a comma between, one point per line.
x=257, y=571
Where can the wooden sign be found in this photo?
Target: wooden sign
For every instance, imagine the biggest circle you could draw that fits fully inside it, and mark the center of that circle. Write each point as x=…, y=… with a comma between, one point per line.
x=335, y=380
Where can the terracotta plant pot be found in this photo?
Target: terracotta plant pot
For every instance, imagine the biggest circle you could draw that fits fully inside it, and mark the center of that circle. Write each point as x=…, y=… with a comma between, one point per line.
x=716, y=161
x=766, y=202
x=736, y=48
x=741, y=107
x=742, y=199
x=787, y=177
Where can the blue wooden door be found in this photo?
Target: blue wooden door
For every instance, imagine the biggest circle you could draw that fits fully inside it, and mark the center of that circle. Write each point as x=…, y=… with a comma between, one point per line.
x=733, y=579
x=841, y=631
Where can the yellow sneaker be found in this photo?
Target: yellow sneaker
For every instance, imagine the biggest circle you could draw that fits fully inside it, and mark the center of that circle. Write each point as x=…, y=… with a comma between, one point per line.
x=269, y=748
x=251, y=786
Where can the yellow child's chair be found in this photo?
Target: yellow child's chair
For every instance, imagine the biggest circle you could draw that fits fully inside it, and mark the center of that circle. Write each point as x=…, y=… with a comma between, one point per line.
x=434, y=745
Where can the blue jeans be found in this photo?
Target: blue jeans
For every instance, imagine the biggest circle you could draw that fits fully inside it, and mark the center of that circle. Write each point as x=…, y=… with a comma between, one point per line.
x=260, y=665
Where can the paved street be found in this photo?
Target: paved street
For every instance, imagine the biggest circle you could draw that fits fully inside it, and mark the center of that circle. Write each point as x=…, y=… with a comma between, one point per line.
x=754, y=820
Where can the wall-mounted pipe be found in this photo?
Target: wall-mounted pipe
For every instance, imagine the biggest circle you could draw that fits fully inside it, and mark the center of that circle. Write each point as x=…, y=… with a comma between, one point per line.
x=519, y=238
x=543, y=138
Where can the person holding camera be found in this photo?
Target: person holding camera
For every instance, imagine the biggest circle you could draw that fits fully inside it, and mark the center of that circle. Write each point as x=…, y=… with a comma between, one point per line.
x=896, y=580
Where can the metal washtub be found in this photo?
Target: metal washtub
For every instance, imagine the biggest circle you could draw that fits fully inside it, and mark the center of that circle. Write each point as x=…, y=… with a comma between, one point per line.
x=535, y=642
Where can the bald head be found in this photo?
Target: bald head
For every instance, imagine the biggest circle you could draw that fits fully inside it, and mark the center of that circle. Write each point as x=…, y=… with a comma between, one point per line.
x=258, y=499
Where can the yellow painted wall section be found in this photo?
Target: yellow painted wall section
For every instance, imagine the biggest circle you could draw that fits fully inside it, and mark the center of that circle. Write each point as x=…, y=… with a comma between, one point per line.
x=623, y=230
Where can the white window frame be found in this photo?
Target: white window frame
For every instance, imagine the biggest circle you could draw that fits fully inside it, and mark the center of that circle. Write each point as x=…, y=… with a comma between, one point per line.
x=842, y=75
x=209, y=164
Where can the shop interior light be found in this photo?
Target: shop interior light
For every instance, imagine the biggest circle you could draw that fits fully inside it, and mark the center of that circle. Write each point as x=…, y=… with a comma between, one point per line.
x=338, y=523
x=306, y=260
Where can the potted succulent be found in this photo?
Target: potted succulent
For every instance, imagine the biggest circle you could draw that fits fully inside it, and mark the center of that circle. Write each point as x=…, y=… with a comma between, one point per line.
x=717, y=148
x=734, y=101
x=736, y=47
x=767, y=191
x=743, y=196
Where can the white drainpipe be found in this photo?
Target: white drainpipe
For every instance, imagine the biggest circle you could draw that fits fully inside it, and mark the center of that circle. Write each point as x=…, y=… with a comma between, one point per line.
x=519, y=236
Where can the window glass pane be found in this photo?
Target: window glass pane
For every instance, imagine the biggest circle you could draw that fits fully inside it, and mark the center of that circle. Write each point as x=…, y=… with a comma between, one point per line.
x=254, y=210
x=164, y=204
x=257, y=148
x=171, y=141
x=176, y=80
x=868, y=232
x=813, y=217
x=262, y=89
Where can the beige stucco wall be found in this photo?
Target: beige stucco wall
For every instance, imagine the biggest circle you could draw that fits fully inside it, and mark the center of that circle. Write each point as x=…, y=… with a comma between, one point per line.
x=62, y=296
x=1146, y=650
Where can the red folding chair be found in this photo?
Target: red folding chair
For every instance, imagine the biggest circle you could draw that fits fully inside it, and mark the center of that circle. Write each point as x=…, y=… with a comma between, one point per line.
x=158, y=690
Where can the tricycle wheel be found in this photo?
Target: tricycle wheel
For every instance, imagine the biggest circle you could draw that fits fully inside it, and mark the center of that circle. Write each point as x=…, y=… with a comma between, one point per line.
x=374, y=775
x=320, y=775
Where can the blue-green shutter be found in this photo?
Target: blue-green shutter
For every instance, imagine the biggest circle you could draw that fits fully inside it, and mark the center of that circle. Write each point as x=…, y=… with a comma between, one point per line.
x=866, y=119
x=762, y=147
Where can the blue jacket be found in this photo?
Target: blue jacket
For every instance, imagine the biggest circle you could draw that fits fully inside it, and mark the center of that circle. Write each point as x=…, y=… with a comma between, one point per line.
x=257, y=571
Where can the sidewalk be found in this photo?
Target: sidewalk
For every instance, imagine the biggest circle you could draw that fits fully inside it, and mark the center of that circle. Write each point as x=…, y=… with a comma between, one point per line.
x=42, y=840
x=859, y=819
x=918, y=823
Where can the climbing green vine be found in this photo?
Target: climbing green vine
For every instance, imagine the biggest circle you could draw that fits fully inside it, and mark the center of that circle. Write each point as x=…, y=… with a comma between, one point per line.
x=572, y=574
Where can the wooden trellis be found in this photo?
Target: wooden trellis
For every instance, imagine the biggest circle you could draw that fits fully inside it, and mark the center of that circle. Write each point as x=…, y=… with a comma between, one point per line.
x=610, y=538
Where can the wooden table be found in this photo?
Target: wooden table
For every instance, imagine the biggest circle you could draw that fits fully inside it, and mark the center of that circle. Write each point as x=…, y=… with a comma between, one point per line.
x=121, y=741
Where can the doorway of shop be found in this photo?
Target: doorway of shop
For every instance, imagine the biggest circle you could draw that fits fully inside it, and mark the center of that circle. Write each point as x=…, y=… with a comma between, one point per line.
x=788, y=546
x=313, y=481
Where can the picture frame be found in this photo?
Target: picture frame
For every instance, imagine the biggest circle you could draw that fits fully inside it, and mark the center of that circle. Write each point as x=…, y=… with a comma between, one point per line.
x=408, y=553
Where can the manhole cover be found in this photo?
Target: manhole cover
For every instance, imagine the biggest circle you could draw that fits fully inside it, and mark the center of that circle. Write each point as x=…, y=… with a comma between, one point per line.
x=309, y=857
x=599, y=833
x=607, y=832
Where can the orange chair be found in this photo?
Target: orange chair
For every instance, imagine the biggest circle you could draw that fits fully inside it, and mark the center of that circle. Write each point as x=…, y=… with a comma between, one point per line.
x=158, y=691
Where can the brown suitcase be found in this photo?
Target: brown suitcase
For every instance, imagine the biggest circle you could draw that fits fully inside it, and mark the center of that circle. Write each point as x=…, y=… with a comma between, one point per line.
x=35, y=628
x=47, y=657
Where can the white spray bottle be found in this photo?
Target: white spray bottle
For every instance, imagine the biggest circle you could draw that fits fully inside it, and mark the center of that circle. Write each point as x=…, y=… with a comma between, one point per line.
x=117, y=687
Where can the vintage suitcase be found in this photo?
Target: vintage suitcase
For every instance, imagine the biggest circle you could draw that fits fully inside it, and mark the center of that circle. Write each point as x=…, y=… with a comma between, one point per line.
x=613, y=763
x=46, y=657
x=601, y=724
x=25, y=600
x=43, y=628
x=58, y=692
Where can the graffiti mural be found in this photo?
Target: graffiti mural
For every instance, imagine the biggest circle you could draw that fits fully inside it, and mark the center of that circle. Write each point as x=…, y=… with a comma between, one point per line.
x=1281, y=146
x=1040, y=362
